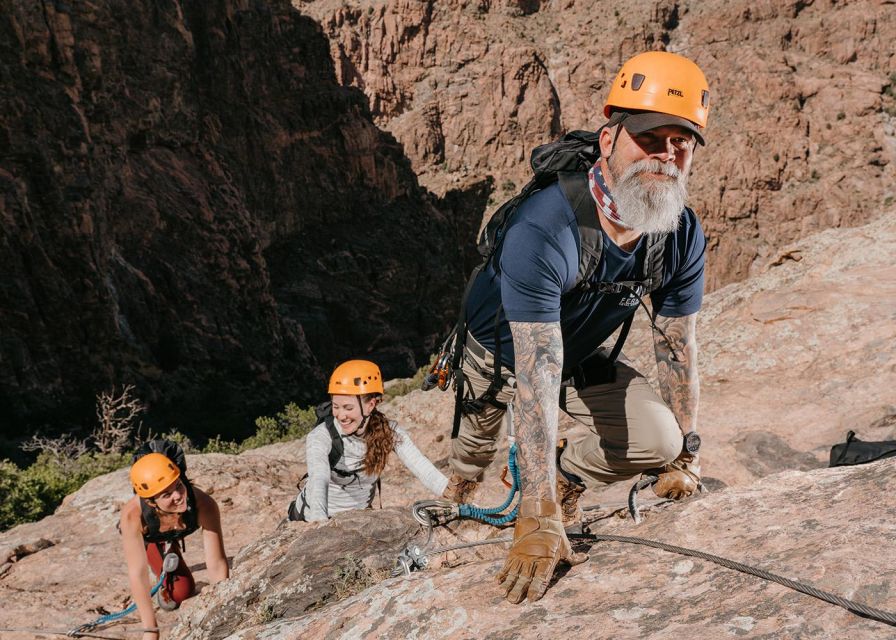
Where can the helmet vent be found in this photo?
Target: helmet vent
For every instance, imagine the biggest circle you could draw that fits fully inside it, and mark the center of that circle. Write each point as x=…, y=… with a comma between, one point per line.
x=704, y=99
x=637, y=81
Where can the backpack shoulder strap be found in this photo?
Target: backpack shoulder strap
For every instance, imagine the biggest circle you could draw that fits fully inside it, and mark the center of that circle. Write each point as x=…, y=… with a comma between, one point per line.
x=654, y=261
x=591, y=242
x=336, y=447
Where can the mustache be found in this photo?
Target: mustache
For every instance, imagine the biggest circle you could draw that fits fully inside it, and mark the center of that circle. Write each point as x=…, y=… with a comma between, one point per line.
x=651, y=166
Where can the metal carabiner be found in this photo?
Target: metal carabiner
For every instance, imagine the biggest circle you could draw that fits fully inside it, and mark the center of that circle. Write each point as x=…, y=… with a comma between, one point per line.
x=643, y=483
x=429, y=513
x=170, y=563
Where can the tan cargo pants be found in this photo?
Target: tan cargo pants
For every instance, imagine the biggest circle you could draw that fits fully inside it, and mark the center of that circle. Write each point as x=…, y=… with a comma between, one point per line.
x=631, y=428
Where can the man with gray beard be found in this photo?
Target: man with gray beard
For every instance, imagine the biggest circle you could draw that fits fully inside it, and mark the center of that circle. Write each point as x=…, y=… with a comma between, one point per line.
x=548, y=323
x=651, y=207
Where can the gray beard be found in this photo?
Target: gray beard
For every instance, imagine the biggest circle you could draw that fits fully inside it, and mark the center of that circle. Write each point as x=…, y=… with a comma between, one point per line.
x=653, y=206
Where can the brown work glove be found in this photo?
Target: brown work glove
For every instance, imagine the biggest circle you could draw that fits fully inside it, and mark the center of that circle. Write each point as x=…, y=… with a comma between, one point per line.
x=678, y=479
x=539, y=543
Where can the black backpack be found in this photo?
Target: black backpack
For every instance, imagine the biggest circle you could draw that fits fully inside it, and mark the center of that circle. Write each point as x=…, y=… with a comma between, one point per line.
x=324, y=413
x=566, y=161
x=167, y=448
x=855, y=451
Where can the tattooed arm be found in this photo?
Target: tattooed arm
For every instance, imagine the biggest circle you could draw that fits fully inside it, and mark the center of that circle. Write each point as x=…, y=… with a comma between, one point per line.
x=678, y=380
x=539, y=541
x=538, y=356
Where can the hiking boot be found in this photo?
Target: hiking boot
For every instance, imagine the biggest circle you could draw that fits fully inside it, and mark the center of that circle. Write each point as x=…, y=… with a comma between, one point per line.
x=460, y=490
x=164, y=600
x=568, y=491
x=568, y=496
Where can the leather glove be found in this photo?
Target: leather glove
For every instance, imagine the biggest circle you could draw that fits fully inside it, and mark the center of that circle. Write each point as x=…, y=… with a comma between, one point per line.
x=678, y=479
x=539, y=543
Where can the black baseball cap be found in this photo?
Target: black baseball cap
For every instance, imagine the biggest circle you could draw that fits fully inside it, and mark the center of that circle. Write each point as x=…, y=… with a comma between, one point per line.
x=641, y=121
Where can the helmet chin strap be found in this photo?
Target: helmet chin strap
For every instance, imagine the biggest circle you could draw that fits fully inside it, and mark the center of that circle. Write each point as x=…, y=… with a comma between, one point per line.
x=364, y=419
x=616, y=135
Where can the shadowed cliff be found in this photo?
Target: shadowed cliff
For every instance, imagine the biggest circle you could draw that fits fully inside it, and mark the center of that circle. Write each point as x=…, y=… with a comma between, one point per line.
x=191, y=203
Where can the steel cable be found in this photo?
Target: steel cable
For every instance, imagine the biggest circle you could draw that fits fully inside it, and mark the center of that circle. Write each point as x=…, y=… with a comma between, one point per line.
x=849, y=605
x=854, y=607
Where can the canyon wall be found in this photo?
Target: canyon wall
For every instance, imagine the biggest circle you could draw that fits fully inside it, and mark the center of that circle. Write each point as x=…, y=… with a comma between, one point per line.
x=193, y=204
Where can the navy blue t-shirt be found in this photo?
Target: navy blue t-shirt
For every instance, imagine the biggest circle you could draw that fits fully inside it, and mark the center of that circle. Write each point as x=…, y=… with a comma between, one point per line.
x=539, y=263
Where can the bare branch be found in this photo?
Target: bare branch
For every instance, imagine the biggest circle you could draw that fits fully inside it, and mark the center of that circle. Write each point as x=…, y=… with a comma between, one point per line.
x=64, y=450
x=119, y=420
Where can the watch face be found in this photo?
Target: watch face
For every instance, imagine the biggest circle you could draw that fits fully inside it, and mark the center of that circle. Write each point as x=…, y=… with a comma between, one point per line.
x=692, y=442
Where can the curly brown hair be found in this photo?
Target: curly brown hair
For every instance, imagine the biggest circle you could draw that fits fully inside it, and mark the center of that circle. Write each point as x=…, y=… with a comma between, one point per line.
x=380, y=439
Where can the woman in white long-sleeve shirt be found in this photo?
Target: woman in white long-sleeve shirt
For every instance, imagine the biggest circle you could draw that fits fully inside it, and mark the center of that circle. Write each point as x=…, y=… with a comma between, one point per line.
x=367, y=438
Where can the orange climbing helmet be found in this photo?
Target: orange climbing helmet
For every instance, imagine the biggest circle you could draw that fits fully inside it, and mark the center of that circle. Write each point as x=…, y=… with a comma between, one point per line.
x=355, y=378
x=660, y=82
x=152, y=473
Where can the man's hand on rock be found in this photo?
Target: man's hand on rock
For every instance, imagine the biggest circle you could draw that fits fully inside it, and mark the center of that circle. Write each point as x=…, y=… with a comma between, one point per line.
x=678, y=479
x=539, y=543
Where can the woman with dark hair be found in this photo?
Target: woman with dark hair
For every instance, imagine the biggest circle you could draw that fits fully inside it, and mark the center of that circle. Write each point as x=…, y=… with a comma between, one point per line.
x=166, y=509
x=347, y=452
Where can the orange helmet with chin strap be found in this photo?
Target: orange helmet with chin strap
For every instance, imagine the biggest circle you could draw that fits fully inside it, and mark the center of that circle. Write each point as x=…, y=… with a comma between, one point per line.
x=356, y=378
x=660, y=82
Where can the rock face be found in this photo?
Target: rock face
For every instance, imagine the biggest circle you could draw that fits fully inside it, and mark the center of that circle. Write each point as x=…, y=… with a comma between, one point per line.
x=192, y=203
x=628, y=591
x=802, y=131
x=781, y=384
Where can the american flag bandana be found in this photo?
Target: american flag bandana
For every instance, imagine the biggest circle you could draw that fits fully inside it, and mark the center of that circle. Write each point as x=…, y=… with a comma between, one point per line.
x=601, y=195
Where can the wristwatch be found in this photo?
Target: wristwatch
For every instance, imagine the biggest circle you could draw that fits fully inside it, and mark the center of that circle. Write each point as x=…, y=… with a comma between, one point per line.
x=692, y=442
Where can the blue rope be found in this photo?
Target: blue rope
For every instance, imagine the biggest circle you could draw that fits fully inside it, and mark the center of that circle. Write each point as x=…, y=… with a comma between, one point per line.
x=486, y=514
x=112, y=617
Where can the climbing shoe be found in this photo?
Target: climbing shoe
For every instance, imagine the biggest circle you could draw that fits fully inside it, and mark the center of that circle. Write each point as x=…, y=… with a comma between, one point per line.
x=164, y=600
x=460, y=490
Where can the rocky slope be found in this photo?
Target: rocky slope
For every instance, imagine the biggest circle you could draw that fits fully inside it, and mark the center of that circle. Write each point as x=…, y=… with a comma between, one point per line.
x=802, y=132
x=791, y=359
x=191, y=203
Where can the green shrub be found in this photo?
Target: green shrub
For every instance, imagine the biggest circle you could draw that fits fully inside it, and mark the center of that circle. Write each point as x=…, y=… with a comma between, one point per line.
x=36, y=491
x=182, y=439
x=217, y=445
x=290, y=424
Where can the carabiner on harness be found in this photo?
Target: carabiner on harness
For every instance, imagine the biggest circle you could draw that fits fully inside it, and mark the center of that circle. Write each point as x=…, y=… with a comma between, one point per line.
x=442, y=371
x=441, y=374
x=171, y=562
